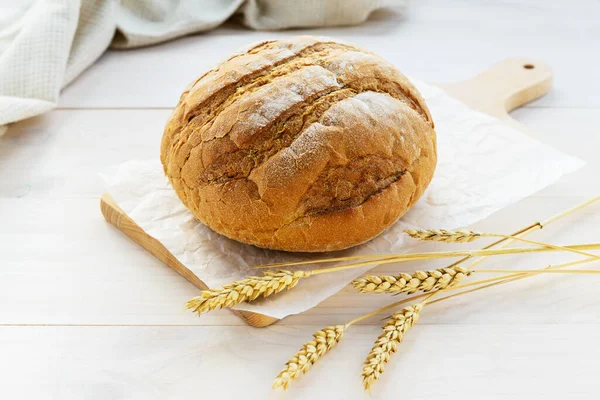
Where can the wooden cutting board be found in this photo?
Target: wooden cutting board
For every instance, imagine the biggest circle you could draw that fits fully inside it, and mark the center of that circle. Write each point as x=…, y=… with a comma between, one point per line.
x=498, y=90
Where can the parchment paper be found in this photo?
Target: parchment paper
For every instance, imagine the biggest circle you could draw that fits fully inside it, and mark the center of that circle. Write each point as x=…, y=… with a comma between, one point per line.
x=483, y=165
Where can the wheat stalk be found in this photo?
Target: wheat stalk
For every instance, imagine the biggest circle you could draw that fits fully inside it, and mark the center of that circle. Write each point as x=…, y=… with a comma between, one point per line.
x=465, y=235
x=400, y=322
x=387, y=343
x=374, y=367
x=424, y=281
x=272, y=282
x=248, y=289
x=327, y=338
x=310, y=352
x=396, y=258
x=371, y=372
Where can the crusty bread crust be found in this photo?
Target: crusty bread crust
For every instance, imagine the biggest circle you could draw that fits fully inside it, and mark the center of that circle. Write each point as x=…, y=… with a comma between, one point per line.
x=304, y=144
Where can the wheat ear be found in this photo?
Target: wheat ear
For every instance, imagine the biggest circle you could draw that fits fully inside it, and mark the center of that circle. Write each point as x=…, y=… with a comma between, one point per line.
x=443, y=235
x=310, y=352
x=372, y=374
x=248, y=289
x=327, y=338
x=424, y=281
x=387, y=343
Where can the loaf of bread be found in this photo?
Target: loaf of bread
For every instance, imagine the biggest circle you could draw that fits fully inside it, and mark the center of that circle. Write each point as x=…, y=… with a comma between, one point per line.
x=305, y=144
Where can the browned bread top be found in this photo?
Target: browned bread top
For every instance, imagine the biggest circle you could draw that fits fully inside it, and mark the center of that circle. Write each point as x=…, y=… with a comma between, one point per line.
x=305, y=144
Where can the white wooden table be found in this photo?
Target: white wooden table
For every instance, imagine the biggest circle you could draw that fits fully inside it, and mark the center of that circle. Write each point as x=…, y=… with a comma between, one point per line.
x=86, y=313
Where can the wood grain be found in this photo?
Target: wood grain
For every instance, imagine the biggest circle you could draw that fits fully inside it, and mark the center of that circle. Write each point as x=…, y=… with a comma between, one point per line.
x=87, y=314
x=113, y=214
x=236, y=362
x=496, y=91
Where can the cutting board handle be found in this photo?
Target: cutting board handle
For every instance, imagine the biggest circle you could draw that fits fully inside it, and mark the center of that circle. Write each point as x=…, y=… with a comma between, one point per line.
x=504, y=86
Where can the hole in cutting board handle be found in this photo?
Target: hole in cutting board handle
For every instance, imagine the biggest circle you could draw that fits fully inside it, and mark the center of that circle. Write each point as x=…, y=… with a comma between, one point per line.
x=529, y=66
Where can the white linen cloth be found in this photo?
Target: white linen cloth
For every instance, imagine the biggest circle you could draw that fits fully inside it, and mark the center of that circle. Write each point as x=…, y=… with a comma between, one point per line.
x=509, y=166
x=45, y=44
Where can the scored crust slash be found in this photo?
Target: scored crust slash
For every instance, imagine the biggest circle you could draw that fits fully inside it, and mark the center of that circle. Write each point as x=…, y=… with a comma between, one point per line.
x=305, y=144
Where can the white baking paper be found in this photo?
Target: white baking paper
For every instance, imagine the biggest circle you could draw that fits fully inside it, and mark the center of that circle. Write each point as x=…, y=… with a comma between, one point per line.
x=483, y=165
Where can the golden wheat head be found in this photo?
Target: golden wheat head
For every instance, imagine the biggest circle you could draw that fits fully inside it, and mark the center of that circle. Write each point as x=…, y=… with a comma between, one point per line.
x=324, y=340
x=443, y=235
x=424, y=281
x=248, y=289
x=387, y=343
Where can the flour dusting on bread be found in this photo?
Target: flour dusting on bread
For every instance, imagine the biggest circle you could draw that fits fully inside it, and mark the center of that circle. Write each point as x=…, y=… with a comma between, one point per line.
x=305, y=144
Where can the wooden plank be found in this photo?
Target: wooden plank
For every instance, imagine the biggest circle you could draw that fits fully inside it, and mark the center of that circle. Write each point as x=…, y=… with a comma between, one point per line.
x=500, y=361
x=73, y=269
x=113, y=214
x=60, y=263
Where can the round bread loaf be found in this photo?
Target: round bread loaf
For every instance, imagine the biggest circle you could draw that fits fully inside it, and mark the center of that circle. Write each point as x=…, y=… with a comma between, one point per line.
x=304, y=144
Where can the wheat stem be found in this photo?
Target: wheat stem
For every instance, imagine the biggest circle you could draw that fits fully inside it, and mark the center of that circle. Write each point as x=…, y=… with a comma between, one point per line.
x=465, y=235
x=375, y=259
x=544, y=244
x=399, y=323
x=479, y=283
x=568, y=211
x=506, y=240
x=325, y=339
x=530, y=272
x=487, y=283
x=511, y=278
x=449, y=254
x=498, y=243
x=526, y=271
x=380, y=310
x=437, y=280
x=527, y=230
